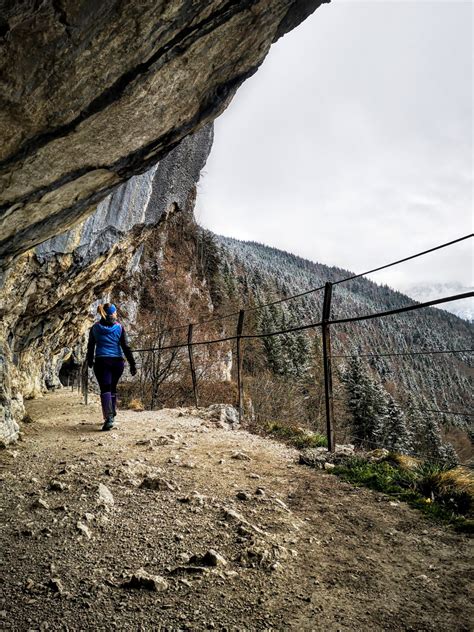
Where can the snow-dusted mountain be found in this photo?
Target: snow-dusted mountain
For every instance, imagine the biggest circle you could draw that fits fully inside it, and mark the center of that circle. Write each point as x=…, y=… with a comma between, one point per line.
x=428, y=292
x=250, y=273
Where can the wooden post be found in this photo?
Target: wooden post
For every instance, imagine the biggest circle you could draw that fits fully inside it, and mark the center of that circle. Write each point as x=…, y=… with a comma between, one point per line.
x=327, y=367
x=85, y=382
x=153, y=377
x=191, y=363
x=240, y=385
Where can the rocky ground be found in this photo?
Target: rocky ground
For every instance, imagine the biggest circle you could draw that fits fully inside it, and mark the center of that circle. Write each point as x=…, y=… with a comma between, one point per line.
x=171, y=522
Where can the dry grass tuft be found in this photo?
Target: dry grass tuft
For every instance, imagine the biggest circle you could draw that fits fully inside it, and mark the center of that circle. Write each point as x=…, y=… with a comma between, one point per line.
x=459, y=479
x=136, y=405
x=454, y=488
x=405, y=462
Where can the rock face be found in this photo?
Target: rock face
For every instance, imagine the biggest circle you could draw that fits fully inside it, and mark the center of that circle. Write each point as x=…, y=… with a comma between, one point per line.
x=48, y=295
x=96, y=92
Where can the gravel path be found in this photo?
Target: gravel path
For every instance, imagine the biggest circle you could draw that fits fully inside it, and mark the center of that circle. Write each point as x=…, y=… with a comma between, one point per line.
x=216, y=529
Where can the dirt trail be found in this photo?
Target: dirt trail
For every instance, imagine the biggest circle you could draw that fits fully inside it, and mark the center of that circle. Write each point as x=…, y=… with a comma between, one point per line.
x=304, y=550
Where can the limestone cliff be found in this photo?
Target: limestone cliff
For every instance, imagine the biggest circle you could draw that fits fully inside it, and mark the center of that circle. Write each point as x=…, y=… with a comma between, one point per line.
x=93, y=93
x=47, y=294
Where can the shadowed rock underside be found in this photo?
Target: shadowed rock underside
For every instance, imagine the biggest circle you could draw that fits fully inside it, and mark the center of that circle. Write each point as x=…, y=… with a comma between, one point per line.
x=95, y=92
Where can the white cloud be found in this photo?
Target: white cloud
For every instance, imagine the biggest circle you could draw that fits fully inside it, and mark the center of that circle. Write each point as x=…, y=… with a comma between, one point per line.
x=352, y=145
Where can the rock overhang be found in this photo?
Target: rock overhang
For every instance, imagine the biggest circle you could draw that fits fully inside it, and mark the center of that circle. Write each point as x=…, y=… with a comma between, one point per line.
x=111, y=89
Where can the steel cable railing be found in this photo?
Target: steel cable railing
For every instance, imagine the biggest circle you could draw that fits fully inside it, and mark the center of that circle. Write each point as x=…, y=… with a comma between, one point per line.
x=325, y=324
x=320, y=288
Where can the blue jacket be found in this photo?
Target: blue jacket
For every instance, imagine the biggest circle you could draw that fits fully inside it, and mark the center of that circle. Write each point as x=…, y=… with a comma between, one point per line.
x=108, y=340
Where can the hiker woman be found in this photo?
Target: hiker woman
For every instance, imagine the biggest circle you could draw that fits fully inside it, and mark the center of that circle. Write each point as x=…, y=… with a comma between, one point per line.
x=108, y=339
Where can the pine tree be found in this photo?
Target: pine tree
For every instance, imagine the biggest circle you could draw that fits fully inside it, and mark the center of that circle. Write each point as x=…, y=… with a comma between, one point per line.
x=272, y=344
x=397, y=436
x=367, y=402
x=431, y=442
x=415, y=421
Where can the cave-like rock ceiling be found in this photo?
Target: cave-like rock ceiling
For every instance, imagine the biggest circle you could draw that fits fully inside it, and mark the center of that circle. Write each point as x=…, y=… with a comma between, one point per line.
x=95, y=92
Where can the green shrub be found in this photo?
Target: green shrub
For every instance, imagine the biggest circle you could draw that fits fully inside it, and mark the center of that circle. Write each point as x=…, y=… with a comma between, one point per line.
x=445, y=494
x=300, y=438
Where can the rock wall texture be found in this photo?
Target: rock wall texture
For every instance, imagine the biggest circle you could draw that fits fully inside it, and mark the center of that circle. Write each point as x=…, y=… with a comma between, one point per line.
x=93, y=93
x=47, y=294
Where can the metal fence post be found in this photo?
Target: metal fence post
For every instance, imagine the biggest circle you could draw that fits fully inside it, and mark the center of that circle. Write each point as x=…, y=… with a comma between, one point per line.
x=191, y=363
x=327, y=367
x=240, y=385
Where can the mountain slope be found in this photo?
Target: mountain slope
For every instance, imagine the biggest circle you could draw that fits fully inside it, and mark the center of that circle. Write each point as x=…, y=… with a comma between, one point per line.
x=256, y=274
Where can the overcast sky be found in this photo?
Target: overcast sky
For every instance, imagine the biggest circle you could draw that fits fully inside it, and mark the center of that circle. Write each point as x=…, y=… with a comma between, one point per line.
x=352, y=145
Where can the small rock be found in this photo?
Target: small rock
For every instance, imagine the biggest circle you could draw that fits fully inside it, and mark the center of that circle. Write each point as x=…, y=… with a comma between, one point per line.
x=103, y=521
x=30, y=584
x=260, y=491
x=210, y=558
x=185, y=582
x=105, y=496
x=243, y=531
x=166, y=440
x=144, y=581
x=243, y=496
x=84, y=530
x=57, y=486
x=56, y=585
x=240, y=456
x=148, y=442
x=329, y=466
x=279, y=502
x=189, y=465
x=194, y=499
x=40, y=504
x=156, y=483
x=232, y=515
x=213, y=558
x=254, y=476
x=422, y=578
x=26, y=531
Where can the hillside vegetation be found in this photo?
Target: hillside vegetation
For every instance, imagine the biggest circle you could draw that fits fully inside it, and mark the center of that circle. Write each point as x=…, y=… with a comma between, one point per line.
x=192, y=275
x=389, y=400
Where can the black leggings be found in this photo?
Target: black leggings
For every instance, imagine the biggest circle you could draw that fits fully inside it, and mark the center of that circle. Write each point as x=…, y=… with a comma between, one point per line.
x=108, y=372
